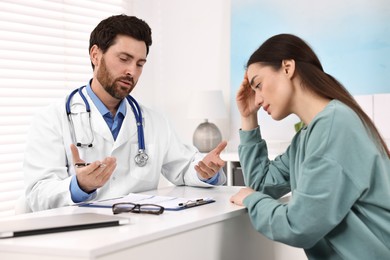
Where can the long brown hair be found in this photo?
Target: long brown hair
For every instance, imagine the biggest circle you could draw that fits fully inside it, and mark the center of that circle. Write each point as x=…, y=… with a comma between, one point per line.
x=290, y=47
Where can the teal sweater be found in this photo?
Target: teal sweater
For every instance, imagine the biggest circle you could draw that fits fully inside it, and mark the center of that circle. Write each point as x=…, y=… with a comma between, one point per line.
x=340, y=186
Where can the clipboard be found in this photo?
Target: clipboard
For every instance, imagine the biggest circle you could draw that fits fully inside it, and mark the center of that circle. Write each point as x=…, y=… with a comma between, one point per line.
x=169, y=203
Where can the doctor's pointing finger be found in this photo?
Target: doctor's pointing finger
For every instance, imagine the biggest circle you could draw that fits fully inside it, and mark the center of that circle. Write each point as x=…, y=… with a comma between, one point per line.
x=211, y=163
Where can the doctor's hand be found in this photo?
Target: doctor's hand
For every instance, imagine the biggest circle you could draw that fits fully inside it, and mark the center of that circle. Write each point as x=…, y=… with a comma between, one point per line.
x=211, y=163
x=239, y=197
x=95, y=174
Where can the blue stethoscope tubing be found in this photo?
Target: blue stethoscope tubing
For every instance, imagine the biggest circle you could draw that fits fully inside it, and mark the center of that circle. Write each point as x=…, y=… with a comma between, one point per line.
x=141, y=158
x=138, y=117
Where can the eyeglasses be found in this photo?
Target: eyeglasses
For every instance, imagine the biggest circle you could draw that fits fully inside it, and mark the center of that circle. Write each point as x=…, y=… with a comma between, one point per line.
x=137, y=208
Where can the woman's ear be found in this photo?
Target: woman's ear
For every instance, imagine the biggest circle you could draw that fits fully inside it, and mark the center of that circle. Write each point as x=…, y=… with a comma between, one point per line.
x=288, y=67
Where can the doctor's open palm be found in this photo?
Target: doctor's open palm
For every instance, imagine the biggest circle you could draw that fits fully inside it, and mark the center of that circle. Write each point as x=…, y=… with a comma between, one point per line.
x=94, y=175
x=211, y=163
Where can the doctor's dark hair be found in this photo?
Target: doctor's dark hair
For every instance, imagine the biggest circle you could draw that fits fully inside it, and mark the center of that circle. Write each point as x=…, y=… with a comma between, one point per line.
x=105, y=33
x=307, y=65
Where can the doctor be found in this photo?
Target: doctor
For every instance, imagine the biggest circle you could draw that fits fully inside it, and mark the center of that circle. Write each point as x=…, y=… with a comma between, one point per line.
x=99, y=143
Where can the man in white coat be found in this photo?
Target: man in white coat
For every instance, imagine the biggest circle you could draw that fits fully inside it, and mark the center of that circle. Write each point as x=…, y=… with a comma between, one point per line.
x=103, y=165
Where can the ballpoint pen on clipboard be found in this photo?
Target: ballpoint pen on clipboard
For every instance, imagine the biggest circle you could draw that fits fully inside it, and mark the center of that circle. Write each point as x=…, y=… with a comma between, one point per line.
x=193, y=203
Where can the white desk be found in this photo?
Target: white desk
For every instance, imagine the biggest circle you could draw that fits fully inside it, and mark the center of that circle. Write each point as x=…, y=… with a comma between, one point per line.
x=219, y=230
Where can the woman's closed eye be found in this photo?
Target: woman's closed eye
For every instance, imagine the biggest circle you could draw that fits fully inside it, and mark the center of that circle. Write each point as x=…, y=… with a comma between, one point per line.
x=258, y=86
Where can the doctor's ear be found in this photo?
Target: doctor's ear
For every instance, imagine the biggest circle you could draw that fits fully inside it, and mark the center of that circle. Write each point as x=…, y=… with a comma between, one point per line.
x=94, y=55
x=288, y=67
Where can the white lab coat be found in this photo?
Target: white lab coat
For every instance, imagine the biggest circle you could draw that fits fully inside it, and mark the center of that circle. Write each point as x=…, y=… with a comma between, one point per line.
x=48, y=165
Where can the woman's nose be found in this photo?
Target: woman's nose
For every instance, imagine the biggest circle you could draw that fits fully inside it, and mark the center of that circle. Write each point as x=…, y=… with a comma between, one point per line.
x=259, y=99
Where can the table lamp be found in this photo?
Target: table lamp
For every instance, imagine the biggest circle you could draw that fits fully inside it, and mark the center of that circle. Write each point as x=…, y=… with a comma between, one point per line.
x=206, y=104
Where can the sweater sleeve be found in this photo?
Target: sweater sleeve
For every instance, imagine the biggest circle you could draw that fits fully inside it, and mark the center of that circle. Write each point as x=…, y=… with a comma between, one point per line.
x=316, y=207
x=261, y=174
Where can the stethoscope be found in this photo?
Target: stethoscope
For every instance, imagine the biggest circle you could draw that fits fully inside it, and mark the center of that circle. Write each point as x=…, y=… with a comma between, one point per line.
x=141, y=158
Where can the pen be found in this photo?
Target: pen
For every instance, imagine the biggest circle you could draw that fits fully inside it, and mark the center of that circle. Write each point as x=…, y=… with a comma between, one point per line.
x=79, y=165
x=192, y=203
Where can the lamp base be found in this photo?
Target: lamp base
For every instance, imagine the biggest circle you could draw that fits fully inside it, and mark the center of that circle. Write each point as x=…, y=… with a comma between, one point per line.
x=206, y=137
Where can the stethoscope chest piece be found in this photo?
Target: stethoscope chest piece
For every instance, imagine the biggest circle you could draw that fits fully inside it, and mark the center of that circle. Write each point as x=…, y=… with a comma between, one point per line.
x=141, y=158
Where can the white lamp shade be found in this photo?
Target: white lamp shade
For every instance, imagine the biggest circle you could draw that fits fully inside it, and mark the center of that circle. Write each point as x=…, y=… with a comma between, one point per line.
x=207, y=104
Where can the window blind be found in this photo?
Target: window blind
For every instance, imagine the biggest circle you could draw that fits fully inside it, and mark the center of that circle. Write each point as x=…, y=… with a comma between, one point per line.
x=43, y=56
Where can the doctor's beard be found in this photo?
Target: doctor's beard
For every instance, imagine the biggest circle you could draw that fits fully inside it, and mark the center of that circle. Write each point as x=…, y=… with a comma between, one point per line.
x=112, y=85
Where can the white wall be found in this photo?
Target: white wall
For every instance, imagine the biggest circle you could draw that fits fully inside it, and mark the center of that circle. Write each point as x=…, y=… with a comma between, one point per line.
x=377, y=106
x=190, y=50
